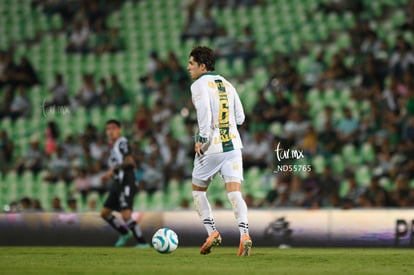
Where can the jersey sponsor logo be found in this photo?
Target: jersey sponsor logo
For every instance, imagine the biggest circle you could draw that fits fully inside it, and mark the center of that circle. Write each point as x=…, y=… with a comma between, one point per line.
x=223, y=116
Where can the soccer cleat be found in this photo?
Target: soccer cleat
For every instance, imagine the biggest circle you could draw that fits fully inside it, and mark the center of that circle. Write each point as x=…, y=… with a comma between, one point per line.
x=245, y=245
x=213, y=240
x=142, y=245
x=122, y=240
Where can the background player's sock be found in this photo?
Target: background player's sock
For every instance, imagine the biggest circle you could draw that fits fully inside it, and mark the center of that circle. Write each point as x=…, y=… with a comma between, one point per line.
x=116, y=224
x=240, y=211
x=203, y=209
x=136, y=230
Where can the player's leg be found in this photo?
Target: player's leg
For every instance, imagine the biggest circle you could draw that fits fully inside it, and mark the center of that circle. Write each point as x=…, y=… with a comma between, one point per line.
x=232, y=172
x=203, y=209
x=112, y=203
x=240, y=212
x=202, y=174
x=106, y=214
x=134, y=227
x=127, y=202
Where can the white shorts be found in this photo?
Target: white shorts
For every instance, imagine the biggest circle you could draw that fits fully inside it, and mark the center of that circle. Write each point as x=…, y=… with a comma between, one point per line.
x=228, y=164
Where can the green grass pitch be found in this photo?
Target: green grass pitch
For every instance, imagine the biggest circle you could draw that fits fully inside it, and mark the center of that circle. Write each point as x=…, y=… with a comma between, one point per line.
x=222, y=260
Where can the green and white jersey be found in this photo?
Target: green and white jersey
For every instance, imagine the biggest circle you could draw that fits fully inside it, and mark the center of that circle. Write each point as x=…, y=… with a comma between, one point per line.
x=219, y=111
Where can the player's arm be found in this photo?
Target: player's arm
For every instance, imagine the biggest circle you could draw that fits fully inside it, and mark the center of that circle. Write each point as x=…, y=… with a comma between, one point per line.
x=238, y=109
x=201, y=103
x=128, y=161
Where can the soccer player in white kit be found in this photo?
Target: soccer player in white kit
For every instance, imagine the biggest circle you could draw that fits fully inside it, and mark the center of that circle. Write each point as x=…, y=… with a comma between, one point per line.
x=218, y=145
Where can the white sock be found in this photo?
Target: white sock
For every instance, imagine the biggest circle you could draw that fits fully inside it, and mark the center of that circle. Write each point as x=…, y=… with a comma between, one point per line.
x=240, y=211
x=203, y=209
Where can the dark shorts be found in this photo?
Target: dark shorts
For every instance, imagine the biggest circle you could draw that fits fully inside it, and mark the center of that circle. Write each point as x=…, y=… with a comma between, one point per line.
x=121, y=196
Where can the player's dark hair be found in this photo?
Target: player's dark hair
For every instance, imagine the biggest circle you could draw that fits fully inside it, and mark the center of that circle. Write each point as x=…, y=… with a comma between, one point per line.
x=114, y=121
x=204, y=55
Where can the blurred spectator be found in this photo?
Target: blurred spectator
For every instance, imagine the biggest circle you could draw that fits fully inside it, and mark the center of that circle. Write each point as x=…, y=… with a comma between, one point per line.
x=408, y=129
x=60, y=92
x=402, y=58
x=174, y=161
x=152, y=177
x=56, y=205
x=115, y=41
x=296, y=126
x=328, y=139
x=309, y=143
x=402, y=192
x=6, y=102
x=74, y=148
x=283, y=200
x=354, y=191
x=116, y=93
x=20, y=106
x=178, y=80
x=281, y=107
x=224, y=46
x=256, y=152
x=32, y=160
x=284, y=75
x=26, y=204
x=370, y=44
x=6, y=151
x=142, y=122
x=100, y=39
x=79, y=38
x=87, y=96
x=72, y=205
x=347, y=127
x=375, y=195
x=102, y=91
x=161, y=114
x=336, y=71
x=95, y=179
x=371, y=73
x=262, y=110
x=37, y=207
x=296, y=192
x=82, y=182
x=314, y=70
x=98, y=148
x=197, y=27
x=24, y=74
x=246, y=49
x=4, y=63
x=328, y=186
x=58, y=167
x=311, y=184
x=52, y=137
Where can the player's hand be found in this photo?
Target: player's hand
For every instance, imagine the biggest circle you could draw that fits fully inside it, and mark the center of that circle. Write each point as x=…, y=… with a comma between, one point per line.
x=197, y=148
x=108, y=175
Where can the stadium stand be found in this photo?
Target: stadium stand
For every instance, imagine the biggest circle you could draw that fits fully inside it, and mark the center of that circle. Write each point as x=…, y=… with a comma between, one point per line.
x=324, y=57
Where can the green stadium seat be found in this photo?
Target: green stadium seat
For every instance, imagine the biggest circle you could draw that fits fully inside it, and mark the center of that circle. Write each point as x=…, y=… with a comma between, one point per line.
x=140, y=202
x=363, y=175
x=367, y=152
x=318, y=163
x=351, y=155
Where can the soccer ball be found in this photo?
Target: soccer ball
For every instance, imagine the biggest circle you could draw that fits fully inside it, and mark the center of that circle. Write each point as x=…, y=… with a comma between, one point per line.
x=165, y=240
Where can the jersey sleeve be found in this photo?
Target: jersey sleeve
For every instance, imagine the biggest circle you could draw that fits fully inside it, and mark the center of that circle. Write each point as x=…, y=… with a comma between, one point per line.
x=238, y=109
x=124, y=148
x=201, y=101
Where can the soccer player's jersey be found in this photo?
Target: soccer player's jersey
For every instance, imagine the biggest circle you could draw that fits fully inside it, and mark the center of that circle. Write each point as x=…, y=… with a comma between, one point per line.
x=219, y=111
x=119, y=150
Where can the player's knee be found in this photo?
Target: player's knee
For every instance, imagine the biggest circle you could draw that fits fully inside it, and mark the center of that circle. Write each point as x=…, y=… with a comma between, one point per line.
x=105, y=213
x=126, y=214
x=233, y=187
